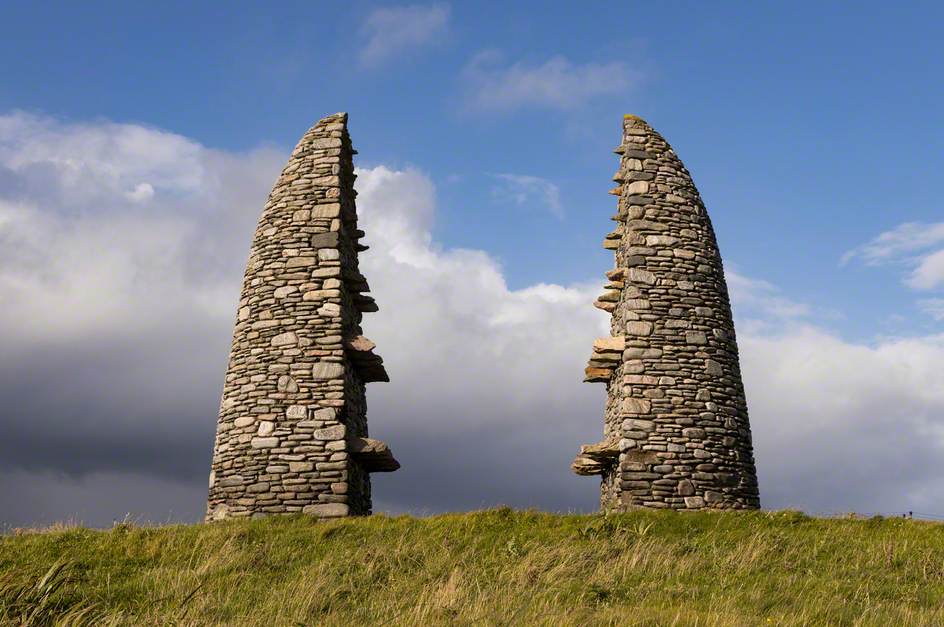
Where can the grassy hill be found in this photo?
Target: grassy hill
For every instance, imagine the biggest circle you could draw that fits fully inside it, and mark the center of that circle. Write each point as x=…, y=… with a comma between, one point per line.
x=490, y=567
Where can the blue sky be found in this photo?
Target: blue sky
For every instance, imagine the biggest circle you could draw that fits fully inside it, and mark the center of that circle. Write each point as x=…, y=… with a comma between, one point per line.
x=809, y=128
x=813, y=131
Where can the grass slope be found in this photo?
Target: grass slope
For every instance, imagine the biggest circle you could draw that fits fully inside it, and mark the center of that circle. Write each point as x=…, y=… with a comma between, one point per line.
x=491, y=567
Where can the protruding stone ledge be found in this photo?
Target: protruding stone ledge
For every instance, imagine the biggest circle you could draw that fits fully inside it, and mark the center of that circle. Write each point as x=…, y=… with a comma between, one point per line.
x=356, y=282
x=613, y=239
x=372, y=455
x=611, y=296
x=365, y=304
x=609, y=344
x=369, y=366
x=606, y=357
x=597, y=375
x=607, y=306
x=595, y=459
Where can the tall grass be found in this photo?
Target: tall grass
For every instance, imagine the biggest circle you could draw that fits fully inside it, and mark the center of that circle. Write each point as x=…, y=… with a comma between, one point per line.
x=494, y=567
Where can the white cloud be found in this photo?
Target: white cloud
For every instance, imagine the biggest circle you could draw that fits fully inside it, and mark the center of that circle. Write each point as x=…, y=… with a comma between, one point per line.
x=929, y=272
x=908, y=244
x=395, y=30
x=94, y=161
x=474, y=364
x=902, y=240
x=75, y=240
x=556, y=84
x=142, y=192
x=522, y=189
x=934, y=307
x=760, y=302
x=840, y=426
x=115, y=320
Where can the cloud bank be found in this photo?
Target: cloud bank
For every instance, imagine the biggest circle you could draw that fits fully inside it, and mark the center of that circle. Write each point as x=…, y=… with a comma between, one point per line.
x=121, y=253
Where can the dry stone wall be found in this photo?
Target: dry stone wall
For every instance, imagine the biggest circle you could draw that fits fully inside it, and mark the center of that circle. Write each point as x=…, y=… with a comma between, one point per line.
x=676, y=429
x=292, y=430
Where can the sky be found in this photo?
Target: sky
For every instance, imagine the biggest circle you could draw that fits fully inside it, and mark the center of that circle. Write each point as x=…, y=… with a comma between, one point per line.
x=138, y=144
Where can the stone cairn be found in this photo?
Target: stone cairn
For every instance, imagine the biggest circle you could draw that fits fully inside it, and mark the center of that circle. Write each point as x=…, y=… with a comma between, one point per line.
x=292, y=430
x=676, y=427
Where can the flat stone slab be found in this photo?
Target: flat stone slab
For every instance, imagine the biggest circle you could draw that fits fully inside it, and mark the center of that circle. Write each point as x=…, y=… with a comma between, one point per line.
x=373, y=455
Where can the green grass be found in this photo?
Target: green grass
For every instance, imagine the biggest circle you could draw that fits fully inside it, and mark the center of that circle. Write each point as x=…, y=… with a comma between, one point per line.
x=493, y=567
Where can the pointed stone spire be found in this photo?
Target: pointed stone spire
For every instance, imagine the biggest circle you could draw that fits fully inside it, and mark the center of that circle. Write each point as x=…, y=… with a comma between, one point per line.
x=292, y=429
x=676, y=428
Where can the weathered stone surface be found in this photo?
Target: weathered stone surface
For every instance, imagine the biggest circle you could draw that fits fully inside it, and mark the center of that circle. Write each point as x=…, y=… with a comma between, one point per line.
x=295, y=389
x=636, y=406
x=335, y=432
x=287, y=384
x=638, y=275
x=635, y=327
x=285, y=339
x=675, y=403
x=610, y=344
x=325, y=240
x=327, y=510
x=299, y=262
x=296, y=412
x=583, y=465
x=639, y=187
x=326, y=414
x=326, y=211
x=330, y=310
x=327, y=370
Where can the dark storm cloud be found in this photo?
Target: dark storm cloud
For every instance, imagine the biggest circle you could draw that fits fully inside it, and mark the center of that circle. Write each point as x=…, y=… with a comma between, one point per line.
x=147, y=407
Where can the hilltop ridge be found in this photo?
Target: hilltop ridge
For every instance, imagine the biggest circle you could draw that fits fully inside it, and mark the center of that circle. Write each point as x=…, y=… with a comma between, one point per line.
x=489, y=567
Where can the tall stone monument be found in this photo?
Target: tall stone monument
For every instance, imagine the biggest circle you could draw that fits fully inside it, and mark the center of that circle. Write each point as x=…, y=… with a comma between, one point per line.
x=676, y=431
x=292, y=430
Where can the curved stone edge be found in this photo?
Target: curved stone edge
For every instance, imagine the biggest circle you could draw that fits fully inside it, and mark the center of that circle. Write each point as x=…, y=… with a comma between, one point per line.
x=625, y=290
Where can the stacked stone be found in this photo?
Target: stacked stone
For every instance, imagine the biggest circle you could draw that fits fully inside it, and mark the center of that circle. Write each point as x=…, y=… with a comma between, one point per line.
x=676, y=427
x=292, y=429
